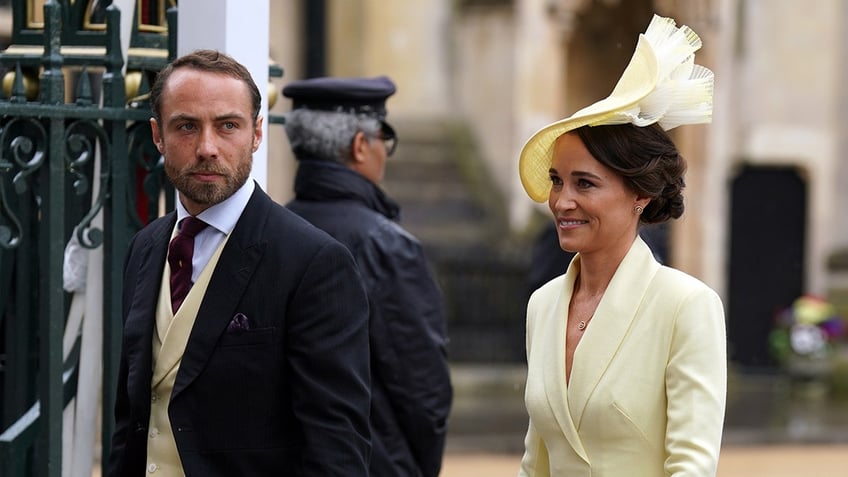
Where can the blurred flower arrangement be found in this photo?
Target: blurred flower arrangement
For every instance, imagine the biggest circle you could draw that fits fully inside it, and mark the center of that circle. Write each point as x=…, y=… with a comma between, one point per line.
x=809, y=329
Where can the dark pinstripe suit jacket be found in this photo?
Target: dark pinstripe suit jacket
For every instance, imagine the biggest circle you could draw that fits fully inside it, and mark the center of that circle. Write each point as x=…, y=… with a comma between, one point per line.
x=290, y=396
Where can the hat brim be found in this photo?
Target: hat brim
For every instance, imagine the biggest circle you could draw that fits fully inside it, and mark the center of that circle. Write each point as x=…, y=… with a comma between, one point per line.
x=638, y=81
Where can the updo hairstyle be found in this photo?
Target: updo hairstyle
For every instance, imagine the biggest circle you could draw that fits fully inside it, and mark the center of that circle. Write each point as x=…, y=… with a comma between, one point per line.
x=647, y=159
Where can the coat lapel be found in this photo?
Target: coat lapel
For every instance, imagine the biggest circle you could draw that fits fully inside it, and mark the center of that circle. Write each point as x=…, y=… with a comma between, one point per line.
x=239, y=259
x=140, y=321
x=555, y=384
x=610, y=323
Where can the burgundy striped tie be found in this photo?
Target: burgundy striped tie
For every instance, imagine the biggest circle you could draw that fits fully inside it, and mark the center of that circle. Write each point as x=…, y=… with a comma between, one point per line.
x=179, y=258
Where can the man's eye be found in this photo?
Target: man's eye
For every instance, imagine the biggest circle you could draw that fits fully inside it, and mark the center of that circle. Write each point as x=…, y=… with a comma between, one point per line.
x=186, y=127
x=229, y=125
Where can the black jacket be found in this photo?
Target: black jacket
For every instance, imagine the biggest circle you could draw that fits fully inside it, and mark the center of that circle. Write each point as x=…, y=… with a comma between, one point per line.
x=411, y=388
x=288, y=396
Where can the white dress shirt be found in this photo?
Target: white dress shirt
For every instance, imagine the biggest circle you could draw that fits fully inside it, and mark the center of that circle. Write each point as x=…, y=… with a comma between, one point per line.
x=222, y=218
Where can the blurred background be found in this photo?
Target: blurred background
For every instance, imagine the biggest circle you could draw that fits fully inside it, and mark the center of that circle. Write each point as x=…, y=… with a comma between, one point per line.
x=765, y=185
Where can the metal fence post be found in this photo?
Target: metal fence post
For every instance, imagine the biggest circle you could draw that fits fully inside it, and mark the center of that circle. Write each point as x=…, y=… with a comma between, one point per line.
x=50, y=396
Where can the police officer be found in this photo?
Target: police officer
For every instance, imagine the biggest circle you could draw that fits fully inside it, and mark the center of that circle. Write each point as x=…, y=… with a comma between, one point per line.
x=338, y=133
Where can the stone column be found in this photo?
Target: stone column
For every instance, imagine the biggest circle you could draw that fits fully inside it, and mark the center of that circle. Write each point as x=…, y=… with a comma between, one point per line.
x=238, y=28
x=542, y=27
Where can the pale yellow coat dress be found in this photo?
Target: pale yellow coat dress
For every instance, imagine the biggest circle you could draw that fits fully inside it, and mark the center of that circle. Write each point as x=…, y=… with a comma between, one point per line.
x=646, y=396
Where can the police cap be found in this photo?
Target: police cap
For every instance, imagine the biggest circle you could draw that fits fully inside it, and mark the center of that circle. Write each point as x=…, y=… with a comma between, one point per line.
x=345, y=95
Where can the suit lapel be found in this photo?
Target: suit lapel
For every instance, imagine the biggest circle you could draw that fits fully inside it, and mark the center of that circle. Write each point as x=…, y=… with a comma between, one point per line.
x=610, y=323
x=140, y=322
x=239, y=259
x=555, y=385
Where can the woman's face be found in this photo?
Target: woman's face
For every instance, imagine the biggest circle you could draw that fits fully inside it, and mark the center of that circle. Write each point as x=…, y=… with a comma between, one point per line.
x=593, y=208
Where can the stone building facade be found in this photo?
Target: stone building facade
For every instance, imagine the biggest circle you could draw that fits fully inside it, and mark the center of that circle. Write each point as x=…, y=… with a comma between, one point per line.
x=765, y=180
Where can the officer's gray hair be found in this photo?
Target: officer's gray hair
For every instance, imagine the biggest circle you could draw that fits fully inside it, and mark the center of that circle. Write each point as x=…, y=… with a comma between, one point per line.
x=327, y=135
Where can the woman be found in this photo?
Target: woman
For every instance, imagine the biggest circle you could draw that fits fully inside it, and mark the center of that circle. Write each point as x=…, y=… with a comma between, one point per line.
x=626, y=357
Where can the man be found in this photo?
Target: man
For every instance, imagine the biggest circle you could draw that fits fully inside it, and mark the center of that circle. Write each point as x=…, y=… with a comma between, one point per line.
x=263, y=368
x=340, y=137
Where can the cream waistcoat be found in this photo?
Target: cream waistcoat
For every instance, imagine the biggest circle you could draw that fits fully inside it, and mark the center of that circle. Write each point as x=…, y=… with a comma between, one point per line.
x=169, y=341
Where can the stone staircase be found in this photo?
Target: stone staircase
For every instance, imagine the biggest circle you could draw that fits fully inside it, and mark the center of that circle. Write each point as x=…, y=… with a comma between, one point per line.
x=449, y=202
x=439, y=182
x=488, y=412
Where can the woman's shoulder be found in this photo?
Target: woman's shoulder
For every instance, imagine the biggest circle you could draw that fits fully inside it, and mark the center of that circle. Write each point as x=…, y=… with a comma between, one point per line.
x=553, y=288
x=671, y=281
x=545, y=299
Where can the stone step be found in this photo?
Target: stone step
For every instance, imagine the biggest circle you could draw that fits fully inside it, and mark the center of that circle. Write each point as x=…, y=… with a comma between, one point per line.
x=424, y=151
x=435, y=236
x=437, y=201
x=420, y=129
x=438, y=173
x=443, y=210
x=488, y=410
x=414, y=189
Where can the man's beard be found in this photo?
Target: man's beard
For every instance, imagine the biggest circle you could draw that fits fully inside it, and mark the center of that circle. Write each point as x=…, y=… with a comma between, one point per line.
x=208, y=193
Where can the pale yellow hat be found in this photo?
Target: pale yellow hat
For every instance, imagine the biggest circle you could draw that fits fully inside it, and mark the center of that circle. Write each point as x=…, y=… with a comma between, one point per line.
x=661, y=84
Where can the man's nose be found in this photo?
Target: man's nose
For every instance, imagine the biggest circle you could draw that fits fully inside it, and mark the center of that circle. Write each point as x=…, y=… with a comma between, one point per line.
x=207, y=146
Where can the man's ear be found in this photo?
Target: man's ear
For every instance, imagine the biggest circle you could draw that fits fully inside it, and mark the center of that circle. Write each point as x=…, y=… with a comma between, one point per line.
x=257, y=133
x=157, y=135
x=359, y=150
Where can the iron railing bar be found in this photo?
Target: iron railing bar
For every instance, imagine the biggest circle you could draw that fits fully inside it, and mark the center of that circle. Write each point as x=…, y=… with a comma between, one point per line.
x=47, y=111
x=48, y=450
x=115, y=221
x=20, y=436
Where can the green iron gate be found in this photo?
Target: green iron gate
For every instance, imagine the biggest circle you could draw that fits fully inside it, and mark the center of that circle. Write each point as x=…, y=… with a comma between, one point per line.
x=51, y=145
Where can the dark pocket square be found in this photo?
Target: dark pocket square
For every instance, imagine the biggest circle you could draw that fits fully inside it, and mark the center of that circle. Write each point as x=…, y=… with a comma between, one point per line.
x=238, y=323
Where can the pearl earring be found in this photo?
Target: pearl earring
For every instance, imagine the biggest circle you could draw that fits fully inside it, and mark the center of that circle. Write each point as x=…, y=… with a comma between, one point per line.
x=639, y=209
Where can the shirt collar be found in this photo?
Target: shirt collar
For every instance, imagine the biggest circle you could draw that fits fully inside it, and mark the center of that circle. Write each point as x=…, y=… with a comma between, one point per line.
x=223, y=215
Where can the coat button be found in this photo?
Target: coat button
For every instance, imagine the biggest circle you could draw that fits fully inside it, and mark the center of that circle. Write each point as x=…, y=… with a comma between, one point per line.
x=154, y=432
x=152, y=468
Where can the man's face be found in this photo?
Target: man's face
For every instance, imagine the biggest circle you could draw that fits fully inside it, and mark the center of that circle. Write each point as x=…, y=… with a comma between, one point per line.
x=369, y=157
x=207, y=136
